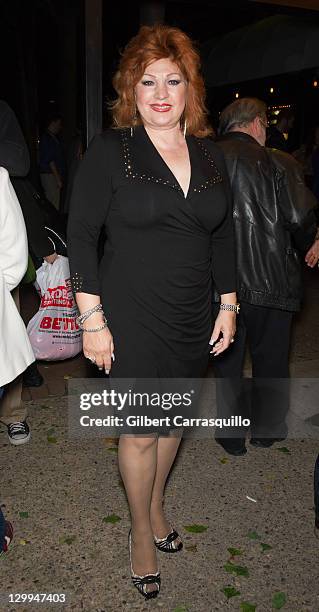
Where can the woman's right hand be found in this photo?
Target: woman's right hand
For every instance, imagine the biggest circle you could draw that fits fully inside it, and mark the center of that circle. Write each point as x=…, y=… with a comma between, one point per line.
x=98, y=346
x=312, y=255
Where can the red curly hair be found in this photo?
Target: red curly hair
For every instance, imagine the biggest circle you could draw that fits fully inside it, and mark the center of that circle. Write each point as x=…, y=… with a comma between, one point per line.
x=150, y=44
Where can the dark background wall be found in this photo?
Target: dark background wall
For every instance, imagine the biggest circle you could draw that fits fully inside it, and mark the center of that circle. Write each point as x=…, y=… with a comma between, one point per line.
x=42, y=51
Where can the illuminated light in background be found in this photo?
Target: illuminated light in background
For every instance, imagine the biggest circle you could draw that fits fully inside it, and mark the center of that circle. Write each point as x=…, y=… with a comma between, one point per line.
x=315, y=83
x=273, y=108
x=271, y=90
x=236, y=94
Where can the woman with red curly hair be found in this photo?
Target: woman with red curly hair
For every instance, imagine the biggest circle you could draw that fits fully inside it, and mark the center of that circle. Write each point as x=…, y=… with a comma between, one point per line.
x=159, y=186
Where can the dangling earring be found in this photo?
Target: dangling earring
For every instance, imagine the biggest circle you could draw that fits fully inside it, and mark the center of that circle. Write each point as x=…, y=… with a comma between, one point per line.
x=185, y=128
x=183, y=125
x=133, y=119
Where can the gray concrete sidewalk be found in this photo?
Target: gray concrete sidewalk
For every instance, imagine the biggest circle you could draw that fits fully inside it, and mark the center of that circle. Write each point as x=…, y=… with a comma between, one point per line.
x=57, y=492
x=63, y=545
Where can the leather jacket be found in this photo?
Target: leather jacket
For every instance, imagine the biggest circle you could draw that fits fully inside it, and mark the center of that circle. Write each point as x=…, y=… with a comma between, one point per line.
x=274, y=219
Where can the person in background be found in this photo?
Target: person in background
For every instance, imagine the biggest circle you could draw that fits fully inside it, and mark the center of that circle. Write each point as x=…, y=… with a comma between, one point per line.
x=51, y=160
x=315, y=170
x=15, y=158
x=6, y=529
x=15, y=350
x=40, y=248
x=6, y=534
x=305, y=155
x=14, y=154
x=275, y=134
x=275, y=226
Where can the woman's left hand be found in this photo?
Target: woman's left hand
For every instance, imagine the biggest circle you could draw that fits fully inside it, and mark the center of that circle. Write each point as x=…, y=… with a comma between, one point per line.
x=225, y=325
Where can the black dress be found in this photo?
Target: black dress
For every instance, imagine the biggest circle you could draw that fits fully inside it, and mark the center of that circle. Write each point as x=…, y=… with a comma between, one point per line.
x=162, y=249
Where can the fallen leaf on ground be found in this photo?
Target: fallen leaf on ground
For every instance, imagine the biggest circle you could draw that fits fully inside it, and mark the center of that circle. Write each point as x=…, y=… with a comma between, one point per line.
x=278, y=601
x=230, y=591
x=111, y=441
x=265, y=547
x=111, y=518
x=224, y=460
x=283, y=449
x=67, y=540
x=195, y=528
x=234, y=552
x=52, y=439
x=191, y=547
x=180, y=609
x=238, y=570
x=112, y=449
x=245, y=606
x=24, y=514
x=253, y=535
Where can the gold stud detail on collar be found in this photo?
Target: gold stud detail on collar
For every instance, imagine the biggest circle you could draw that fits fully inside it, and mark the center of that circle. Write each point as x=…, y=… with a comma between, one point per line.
x=128, y=166
x=215, y=179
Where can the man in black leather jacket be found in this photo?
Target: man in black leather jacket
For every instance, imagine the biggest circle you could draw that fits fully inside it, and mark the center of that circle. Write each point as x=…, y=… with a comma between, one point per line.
x=275, y=224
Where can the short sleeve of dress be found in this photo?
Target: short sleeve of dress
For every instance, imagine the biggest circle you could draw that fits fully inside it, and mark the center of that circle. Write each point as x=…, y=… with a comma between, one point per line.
x=90, y=202
x=223, y=239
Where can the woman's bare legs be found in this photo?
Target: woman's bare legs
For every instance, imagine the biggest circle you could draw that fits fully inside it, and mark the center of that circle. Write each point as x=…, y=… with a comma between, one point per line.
x=167, y=448
x=137, y=463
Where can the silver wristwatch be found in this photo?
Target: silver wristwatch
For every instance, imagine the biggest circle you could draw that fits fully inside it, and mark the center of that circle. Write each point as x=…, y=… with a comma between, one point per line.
x=232, y=307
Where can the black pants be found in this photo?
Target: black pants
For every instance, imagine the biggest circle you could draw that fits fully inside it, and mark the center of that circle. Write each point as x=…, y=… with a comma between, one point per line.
x=264, y=398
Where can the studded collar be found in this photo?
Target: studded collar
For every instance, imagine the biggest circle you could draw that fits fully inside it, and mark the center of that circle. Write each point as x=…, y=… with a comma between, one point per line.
x=142, y=162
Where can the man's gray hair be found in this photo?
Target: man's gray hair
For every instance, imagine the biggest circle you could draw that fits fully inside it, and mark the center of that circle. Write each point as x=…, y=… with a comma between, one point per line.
x=240, y=113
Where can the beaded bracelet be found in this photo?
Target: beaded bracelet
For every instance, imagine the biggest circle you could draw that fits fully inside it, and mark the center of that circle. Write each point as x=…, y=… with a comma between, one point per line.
x=85, y=315
x=95, y=329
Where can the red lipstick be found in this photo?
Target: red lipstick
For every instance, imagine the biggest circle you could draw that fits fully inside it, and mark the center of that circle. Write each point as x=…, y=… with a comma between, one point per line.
x=161, y=108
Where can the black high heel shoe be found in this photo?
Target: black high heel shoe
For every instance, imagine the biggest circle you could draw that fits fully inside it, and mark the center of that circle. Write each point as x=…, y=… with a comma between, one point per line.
x=141, y=582
x=167, y=544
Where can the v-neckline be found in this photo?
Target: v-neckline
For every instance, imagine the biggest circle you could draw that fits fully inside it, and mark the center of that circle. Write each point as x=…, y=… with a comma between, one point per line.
x=167, y=166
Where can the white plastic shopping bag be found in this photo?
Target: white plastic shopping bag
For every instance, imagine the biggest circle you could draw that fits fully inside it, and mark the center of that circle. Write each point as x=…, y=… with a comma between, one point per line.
x=53, y=331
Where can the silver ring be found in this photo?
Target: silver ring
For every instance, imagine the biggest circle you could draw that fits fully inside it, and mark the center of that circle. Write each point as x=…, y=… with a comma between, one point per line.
x=92, y=359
